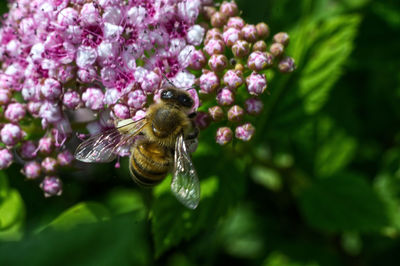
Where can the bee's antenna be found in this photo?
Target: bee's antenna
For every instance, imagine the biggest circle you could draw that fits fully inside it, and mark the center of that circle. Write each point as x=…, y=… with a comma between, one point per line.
x=165, y=77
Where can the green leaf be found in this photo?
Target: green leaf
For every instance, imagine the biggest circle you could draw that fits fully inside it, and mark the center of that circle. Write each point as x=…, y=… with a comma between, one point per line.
x=343, y=202
x=279, y=259
x=122, y=200
x=81, y=213
x=119, y=241
x=321, y=48
x=12, y=216
x=221, y=186
x=3, y=185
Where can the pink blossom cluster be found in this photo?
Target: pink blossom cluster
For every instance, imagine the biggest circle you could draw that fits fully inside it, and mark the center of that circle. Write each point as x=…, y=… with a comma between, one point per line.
x=238, y=57
x=65, y=59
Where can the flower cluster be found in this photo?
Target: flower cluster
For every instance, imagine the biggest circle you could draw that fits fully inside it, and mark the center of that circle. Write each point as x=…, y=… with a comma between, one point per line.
x=66, y=60
x=238, y=57
x=73, y=63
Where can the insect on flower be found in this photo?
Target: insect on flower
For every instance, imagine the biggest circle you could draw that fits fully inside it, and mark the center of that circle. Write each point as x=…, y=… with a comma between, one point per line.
x=159, y=143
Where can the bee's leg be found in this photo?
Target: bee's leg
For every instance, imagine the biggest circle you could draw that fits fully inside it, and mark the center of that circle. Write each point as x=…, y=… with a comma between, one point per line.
x=194, y=133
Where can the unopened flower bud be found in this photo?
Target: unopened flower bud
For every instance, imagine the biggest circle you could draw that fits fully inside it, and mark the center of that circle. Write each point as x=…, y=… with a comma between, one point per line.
x=214, y=46
x=49, y=164
x=233, y=79
x=65, y=158
x=213, y=33
x=256, y=83
x=282, y=37
x=235, y=22
x=5, y=96
x=245, y=132
x=277, y=49
x=11, y=134
x=195, y=35
x=224, y=135
x=197, y=60
x=202, y=120
x=230, y=9
x=28, y=150
x=15, y=112
x=31, y=170
x=231, y=35
x=239, y=67
x=121, y=111
x=209, y=82
x=260, y=46
x=6, y=158
x=46, y=145
x=258, y=60
x=235, y=113
x=51, y=89
x=240, y=48
x=218, y=19
x=217, y=62
x=262, y=30
x=136, y=99
x=51, y=186
x=286, y=65
x=249, y=33
x=71, y=99
x=34, y=108
x=225, y=97
x=216, y=113
x=93, y=98
x=253, y=106
x=208, y=11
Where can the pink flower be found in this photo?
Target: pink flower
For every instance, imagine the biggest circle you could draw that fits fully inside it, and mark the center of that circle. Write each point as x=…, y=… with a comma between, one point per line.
x=6, y=158
x=93, y=98
x=15, y=112
x=224, y=135
x=32, y=170
x=11, y=134
x=51, y=186
x=256, y=83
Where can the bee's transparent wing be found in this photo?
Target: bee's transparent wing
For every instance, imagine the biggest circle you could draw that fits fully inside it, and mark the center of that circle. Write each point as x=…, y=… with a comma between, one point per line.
x=185, y=184
x=104, y=146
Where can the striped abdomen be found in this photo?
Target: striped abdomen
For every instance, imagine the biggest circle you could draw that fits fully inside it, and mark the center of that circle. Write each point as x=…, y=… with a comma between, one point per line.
x=149, y=163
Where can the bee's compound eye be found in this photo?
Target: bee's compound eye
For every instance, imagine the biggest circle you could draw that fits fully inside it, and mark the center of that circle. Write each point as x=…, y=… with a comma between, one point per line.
x=167, y=94
x=185, y=100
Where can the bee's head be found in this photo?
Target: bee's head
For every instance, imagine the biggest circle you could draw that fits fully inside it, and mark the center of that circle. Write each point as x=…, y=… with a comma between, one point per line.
x=178, y=97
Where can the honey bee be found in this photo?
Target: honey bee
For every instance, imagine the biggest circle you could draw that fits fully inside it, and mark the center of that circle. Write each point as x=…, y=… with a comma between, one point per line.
x=159, y=144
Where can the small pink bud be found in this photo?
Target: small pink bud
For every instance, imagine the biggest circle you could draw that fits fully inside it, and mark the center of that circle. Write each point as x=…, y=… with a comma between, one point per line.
x=258, y=60
x=213, y=33
x=277, y=49
x=256, y=83
x=240, y=48
x=93, y=98
x=6, y=158
x=28, y=150
x=260, y=46
x=202, y=120
x=11, y=134
x=225, y=97
x=71, y=99
x=262, y=30
x=46, y=145
x=214, y=46
x=216, y=113
x=286, y=65
x=233, y=79
x=282, y=37
x=235, y=22
x=245, y=132
x=209, y=82
x=249, y=33
x=231, y=35
x=218, y=19
x=5, y=96
x=121, y=111
x=65, y=158
x=197, y=60
x=15, y=112
x=224, y=135
x=230, y=9
x=208, y=11
x=235, y=113
x=218, y=62
x=51, y=186
x=49, y=165
x=136, y=99
x=253, y=106
x=51, y=89
x=31, y=170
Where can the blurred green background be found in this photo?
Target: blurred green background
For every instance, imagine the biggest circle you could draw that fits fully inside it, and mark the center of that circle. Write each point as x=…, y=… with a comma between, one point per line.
x=318, y=185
